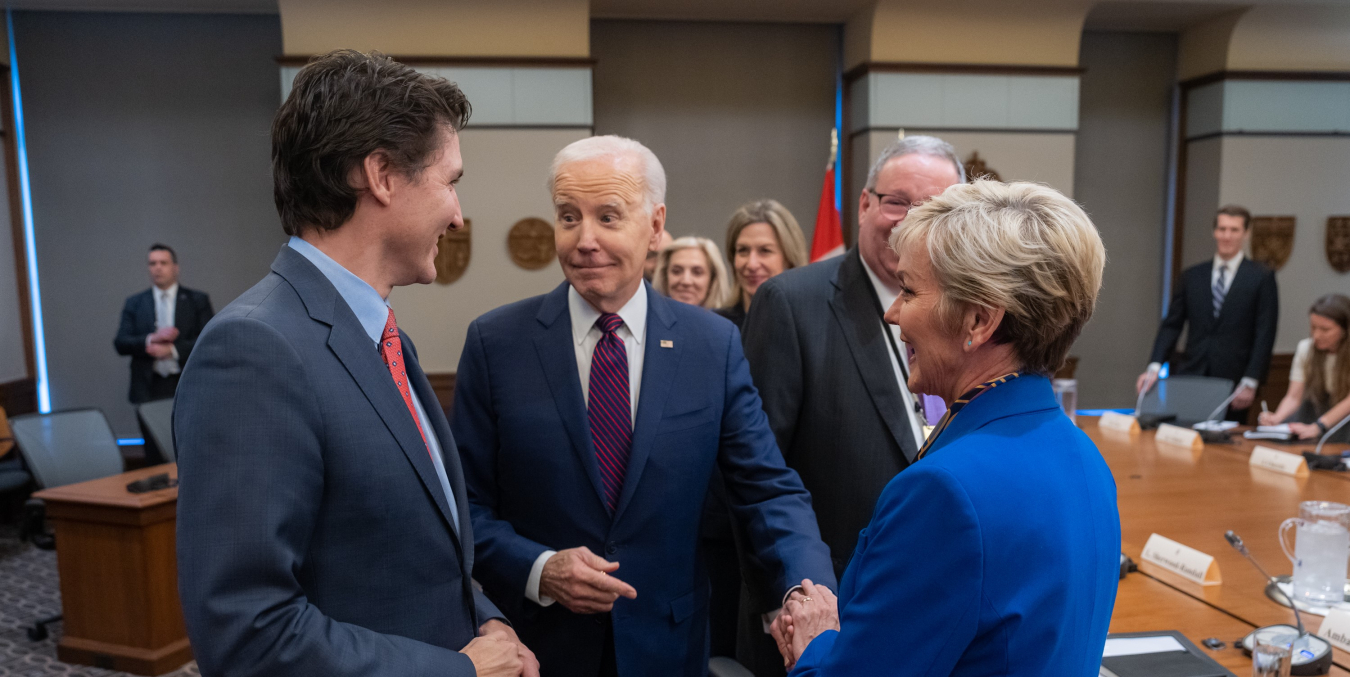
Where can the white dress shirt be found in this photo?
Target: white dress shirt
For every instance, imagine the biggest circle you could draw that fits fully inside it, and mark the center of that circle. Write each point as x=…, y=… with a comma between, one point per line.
x=166, y=306
x=585, y=336
x=1229, y=268
x=887, y=297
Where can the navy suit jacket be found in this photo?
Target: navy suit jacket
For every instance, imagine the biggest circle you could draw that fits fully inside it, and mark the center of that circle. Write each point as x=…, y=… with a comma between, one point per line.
x=313, y=534
x=997, y=553
x=192, y=310
x=534, y=482
x=1235, y=344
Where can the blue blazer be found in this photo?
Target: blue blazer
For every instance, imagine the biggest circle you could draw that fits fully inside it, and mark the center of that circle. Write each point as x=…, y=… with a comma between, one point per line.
x=997, y=553
x=314, y=537
x=534, y=483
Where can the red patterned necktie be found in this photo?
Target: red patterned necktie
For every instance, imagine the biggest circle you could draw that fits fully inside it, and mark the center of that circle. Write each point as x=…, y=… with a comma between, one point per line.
x=608, y=408
x=391, y=349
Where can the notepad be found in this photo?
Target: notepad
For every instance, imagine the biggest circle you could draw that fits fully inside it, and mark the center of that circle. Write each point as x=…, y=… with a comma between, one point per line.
x=1156, y=655
x=1270, y=432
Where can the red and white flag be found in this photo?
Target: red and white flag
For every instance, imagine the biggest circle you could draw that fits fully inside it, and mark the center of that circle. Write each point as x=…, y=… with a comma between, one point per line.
x=828, y=239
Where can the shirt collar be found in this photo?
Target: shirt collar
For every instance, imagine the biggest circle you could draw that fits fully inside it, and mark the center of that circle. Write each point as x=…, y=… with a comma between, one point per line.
x=884, y=293
x=1231, y=264
x=371, y=309
x=584, y=315
x=172, y=291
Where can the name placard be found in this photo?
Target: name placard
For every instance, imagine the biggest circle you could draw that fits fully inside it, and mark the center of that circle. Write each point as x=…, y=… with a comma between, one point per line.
x=1336, y=628
x=1179, y=436
x=1279, y=461
x=1184, y=561
x=1111, y=420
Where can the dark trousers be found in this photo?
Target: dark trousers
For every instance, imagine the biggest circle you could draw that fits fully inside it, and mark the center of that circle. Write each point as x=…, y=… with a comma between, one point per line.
x=608, y=664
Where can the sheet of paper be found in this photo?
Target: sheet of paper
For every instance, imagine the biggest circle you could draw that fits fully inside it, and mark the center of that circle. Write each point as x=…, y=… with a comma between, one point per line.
x=1130, y=646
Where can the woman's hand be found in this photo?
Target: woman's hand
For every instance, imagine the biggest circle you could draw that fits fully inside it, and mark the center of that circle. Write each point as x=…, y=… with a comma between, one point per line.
x=810, y=615
x=1267, y=418
x=1305, y=431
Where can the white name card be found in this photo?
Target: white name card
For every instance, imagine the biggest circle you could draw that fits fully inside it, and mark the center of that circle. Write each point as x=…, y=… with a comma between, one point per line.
x=1279, y=461
x=1184, y=561
x=1111, y=420
x=1179, y=436
x=1336, y=628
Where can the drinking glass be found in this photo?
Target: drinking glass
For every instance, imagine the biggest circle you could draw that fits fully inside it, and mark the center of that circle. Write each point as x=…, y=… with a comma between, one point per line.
x=1320, y=553
x=1066, y=394
x=1271, y=656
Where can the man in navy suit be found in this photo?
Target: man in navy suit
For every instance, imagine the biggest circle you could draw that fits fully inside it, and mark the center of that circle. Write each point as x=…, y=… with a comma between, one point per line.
x=159, y=328
x=590, y=420
x=323, y=526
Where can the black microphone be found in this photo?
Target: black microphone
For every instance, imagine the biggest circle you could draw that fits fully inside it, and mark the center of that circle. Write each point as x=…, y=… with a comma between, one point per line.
x=1309, y=654
x=1330, y=431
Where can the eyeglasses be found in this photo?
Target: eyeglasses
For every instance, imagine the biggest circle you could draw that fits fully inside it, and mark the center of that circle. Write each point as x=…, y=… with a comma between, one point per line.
x=893, y=205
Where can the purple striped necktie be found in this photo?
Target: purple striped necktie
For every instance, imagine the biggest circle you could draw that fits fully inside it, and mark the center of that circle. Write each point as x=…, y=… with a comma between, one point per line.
x=608, y=408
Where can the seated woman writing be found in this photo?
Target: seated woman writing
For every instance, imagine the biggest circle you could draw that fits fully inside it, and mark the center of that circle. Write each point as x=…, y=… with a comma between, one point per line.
x=1319, y=379
x=997, y=551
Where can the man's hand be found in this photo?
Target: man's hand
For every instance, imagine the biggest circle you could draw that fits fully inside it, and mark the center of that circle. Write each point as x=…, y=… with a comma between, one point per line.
x=579, y=580
x=781, y=629
x=1145, y=381
x=159, y=351
x=1244, y=398
x=495, y=629
x=811, y=614
x=494, y=657
x=165, y=335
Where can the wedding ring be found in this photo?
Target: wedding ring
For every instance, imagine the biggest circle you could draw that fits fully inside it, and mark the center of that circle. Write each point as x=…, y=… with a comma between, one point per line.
x=805, y=598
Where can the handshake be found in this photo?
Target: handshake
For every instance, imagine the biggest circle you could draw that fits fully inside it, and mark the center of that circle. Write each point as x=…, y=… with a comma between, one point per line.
x=159, y=345
x=809, y=610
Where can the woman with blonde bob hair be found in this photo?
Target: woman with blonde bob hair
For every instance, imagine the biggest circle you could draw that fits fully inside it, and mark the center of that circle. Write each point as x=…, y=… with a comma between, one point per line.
x=997, y=551
x=691, y=270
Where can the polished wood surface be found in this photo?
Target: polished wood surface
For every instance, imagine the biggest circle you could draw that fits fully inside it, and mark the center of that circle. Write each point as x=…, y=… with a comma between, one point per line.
x=119, y=574
x=1194, y=497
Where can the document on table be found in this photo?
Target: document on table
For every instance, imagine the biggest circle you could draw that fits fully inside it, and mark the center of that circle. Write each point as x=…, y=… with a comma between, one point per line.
x=1154, y=656
x=1270, y=432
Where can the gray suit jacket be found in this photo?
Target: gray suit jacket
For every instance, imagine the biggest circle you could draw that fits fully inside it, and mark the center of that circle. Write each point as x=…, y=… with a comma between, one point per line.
x=313, y=534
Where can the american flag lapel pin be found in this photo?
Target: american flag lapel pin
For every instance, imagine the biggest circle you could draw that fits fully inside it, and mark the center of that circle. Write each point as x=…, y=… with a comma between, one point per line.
x=667, y=344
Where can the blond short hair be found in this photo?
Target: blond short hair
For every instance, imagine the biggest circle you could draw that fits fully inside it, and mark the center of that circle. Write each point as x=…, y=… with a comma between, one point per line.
x=718, y=286
x=1022, y=247
x=790, y=237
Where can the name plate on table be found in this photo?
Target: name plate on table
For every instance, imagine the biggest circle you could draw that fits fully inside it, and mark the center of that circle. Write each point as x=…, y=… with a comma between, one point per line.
x=1111, y=420
x=1184, y=561
x=1179, y=436
x=1336, y=628
x=1279, y=461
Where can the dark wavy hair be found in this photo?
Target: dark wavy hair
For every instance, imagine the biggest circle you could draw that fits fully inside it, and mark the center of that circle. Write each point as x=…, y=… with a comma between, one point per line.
x=344, y=106
x=1336, y=308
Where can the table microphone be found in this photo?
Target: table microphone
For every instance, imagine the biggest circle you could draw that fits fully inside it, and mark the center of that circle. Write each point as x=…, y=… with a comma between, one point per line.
x=1309, y=654
x=1330, y=431
x=1210, y=429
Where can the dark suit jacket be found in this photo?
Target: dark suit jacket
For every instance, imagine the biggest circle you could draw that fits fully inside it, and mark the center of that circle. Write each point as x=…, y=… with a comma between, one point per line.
x=822, y=365
x=1238, y=342
x=314, y=537
x=191, y=313
x=534, y=481
x=996, y=554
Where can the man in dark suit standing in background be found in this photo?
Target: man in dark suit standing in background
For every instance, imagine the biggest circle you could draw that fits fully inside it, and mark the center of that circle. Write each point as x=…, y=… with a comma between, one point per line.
x=323, y=525
x=591, y=418
x=159, y=328
x=833, y=374
x=1230, y=307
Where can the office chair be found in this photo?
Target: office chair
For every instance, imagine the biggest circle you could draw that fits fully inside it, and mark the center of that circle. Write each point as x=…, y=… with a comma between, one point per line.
x=61, y=448
x=156, y=418
x=1191, y=398
x=14, y=476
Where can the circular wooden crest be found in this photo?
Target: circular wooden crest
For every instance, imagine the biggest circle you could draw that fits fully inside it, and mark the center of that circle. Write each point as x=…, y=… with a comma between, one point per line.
x=452, y=253
x=530, y=243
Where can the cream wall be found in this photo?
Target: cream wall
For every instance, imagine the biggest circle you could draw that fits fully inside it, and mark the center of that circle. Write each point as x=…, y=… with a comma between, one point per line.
x=1043, y=33
x=1292, y=38
x=494, y=28
x=505, y=171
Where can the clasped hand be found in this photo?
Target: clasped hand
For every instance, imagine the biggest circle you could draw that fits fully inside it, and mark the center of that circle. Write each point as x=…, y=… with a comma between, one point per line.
x=498, y=652
x=807, y=613
x=580, y=580
x=160, y=344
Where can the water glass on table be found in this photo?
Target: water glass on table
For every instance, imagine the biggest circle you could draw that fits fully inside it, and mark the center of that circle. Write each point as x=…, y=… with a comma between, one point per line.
x=1271, y=656
x=1066, y=394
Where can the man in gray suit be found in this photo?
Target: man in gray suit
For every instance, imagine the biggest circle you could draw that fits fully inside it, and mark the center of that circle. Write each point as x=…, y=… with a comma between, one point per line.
x=323, y=525
x=832, y=373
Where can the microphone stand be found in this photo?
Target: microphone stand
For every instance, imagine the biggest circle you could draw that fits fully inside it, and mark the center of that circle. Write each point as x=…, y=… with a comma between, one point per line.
x=1330, y=431
x=1213, y=433
x=1314, y=657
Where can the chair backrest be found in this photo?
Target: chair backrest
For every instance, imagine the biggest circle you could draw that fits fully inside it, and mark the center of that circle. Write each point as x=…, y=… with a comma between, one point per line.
x=6, y=435
x=156, y=419
x=67, y=447
x=1191, y=398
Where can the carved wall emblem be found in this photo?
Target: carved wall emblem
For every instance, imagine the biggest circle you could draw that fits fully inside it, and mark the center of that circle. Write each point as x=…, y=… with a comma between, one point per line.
x=976, y=168
x=452, y=253
x=530, y=243
x=1338, y=243
x=1272, y=240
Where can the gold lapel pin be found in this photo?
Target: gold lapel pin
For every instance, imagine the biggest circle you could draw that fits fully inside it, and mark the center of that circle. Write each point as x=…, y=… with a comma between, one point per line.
x=667, y=344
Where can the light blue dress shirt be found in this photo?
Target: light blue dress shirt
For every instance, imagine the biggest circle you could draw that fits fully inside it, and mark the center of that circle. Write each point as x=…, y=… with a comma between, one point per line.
x=372, y=311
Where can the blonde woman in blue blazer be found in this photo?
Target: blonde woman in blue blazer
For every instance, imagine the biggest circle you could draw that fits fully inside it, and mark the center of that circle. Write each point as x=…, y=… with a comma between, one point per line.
x=997, y=552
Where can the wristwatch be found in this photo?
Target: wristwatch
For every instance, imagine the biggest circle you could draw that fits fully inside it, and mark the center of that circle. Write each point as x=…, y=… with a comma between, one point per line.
x=1321, y=426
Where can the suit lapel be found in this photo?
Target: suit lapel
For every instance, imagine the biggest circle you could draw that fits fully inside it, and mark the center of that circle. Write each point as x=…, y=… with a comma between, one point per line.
x=854, y=311
x=449, y=452
x=659, y=366
x=181, y=308
x=558, y=359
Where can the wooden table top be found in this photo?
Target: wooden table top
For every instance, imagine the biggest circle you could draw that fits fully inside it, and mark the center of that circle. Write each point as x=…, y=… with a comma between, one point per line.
x=1193, y=498
x=112, y=491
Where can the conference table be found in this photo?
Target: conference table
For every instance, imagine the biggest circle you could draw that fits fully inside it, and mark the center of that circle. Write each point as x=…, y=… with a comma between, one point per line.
x=1194, y=497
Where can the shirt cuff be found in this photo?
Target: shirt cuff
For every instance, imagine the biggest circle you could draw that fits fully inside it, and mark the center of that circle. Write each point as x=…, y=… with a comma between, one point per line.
x=786, y=595
x=174, y=349
x=537, y=572
x=1249, y=382
x=1153, y=368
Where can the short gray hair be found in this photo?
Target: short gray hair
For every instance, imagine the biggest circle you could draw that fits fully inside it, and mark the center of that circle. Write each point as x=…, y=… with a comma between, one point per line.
x=653, y=174
x=916, y=145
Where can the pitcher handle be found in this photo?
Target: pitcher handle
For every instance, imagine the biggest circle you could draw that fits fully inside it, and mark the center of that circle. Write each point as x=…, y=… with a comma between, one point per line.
x=1284, y=544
